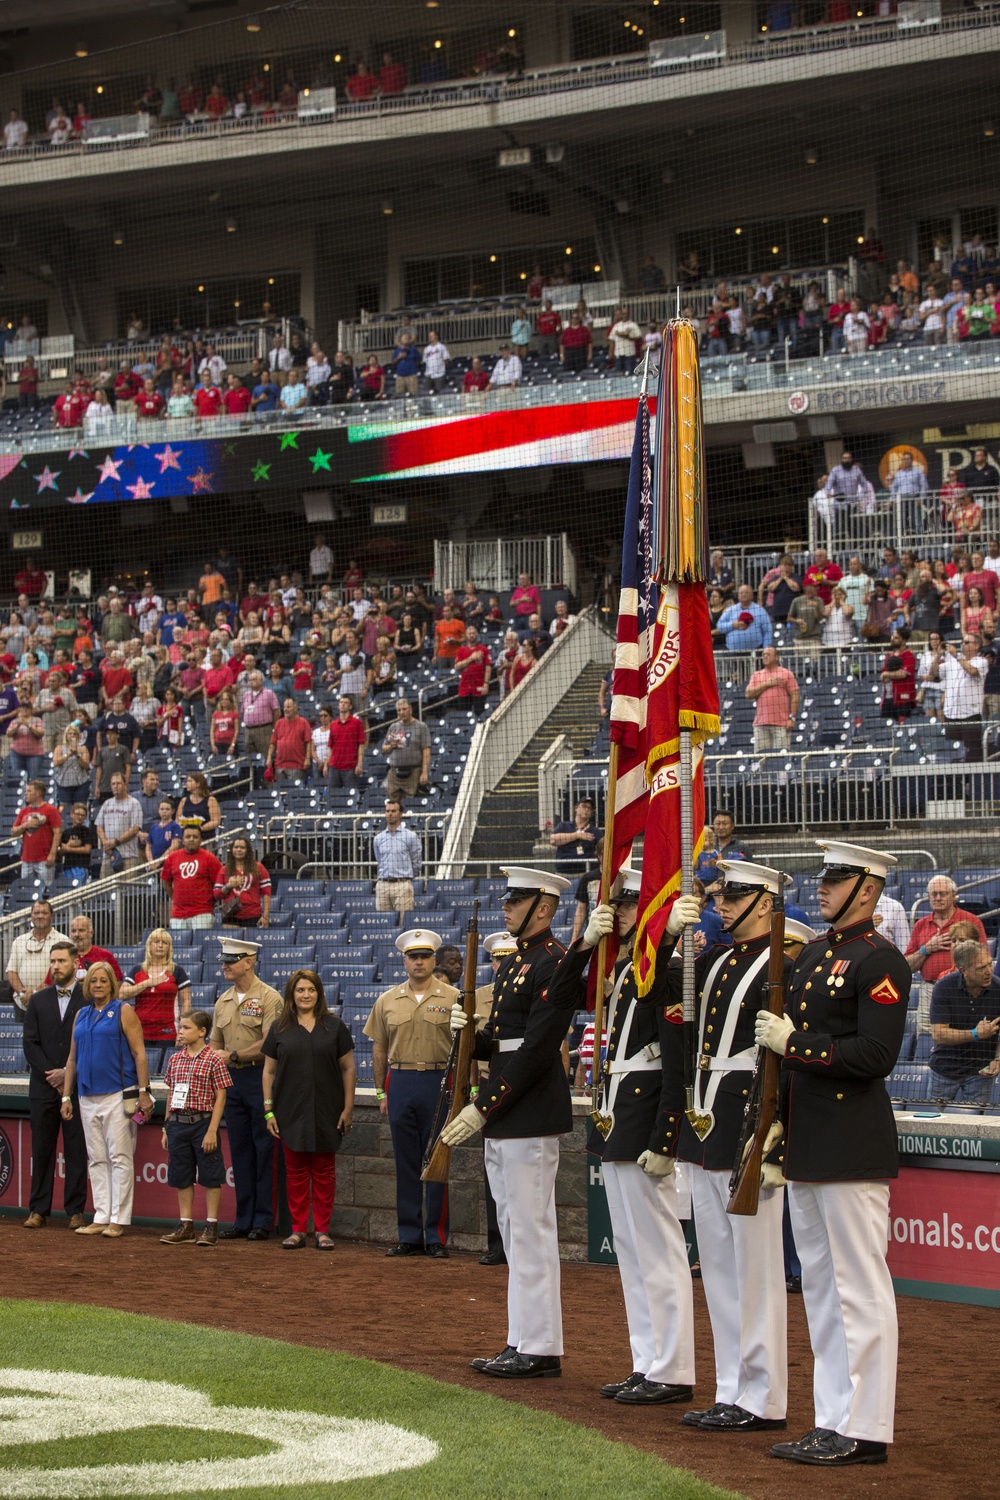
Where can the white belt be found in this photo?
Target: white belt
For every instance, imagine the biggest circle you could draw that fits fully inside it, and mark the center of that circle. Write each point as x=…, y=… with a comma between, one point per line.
x=511, y=1044
x=740, y=1062
x=636, y=1064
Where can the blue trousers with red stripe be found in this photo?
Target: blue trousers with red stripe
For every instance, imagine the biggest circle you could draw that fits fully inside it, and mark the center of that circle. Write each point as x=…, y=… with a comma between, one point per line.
x=421, y=1207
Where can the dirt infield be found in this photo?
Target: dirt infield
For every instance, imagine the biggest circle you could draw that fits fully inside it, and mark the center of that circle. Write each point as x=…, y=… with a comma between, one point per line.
x=432, y=1316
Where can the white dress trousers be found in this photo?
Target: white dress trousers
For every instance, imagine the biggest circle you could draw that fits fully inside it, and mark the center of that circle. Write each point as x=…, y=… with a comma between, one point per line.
x=522, y=1175
x=110, y=1137
x=653, y=1265
x=743, y=1273
x=841, y=1232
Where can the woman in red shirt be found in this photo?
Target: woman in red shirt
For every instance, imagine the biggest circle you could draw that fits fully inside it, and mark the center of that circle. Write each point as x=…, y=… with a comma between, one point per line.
x=224, y=726
x=245, y=891
x=170, y=718
x=523, y=662
x=159, y=992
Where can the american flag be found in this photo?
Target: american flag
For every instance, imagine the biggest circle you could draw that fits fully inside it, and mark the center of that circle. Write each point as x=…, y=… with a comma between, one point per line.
x=640, y=597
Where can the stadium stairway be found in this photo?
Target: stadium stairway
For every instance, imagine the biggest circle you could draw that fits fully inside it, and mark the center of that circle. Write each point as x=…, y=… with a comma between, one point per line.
x=508, y=819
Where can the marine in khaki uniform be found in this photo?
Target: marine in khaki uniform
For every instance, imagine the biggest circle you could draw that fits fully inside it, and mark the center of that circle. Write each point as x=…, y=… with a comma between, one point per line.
x=411, y=1044
x=243, y=1016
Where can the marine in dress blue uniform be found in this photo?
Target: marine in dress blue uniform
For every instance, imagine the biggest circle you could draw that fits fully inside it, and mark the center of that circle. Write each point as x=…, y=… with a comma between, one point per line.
x=840, y=1038
x=411, y=1044
x=635, y=1136
x=522, y=1110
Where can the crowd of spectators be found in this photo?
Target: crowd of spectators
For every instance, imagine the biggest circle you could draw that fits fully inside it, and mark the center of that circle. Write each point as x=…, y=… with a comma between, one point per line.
x=84, y=689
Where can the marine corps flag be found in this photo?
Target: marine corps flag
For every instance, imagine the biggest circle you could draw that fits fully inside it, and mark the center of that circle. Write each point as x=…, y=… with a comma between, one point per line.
x=665, y=683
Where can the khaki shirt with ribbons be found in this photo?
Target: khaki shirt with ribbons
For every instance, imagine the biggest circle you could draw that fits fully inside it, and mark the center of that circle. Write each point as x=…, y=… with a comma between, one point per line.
x=241, y=1023
x=415, y=1033
x=484, y=1004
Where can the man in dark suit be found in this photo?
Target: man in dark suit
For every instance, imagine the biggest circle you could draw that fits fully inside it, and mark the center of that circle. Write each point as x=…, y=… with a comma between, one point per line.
x=48, y=1032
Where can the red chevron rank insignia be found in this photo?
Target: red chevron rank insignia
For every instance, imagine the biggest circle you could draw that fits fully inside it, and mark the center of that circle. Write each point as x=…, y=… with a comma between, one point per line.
x=885, y=992
x=674, y=1014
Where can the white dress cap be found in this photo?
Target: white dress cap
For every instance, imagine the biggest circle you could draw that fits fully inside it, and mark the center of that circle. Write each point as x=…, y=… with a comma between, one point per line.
x=522, y=879
x=745, y=872
x=418, y=937
x=844, y=860
x=499, y=944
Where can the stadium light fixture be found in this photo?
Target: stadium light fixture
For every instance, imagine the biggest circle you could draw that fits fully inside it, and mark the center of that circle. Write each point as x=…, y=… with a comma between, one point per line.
x=774, y=249
x=812, y=156
x=569, y=249
x=100, y=88
x=437, y=41
x=253, y=24
x=861, y=239
x=597, y=268
x=336, y=57
x=119, y=237
x=82, y=50
x=270, y=281
x=524, y=275
x=825, y=219
x=492, y=260
x=989, y=129
x=266, y=68
x=230, y=226
x=201, y=289
x=432, y=4
x=512, y=32
x=387, y=205
x=737, y=231
x=236, y=304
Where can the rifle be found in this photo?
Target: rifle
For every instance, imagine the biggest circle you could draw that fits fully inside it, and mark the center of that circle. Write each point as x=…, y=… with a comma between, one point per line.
x=438, y=1163
x=762, y=1101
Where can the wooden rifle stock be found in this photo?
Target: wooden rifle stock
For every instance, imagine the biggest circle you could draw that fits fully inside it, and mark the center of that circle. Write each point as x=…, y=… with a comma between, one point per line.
x=439, y=1162
x=762, y=1104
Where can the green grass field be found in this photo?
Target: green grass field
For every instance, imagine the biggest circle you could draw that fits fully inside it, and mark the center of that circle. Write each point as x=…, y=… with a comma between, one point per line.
x=153, y=1408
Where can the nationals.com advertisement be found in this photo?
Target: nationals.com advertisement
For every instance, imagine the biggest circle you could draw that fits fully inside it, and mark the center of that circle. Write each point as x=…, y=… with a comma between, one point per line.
x=944, y=1228
x=153, y=1199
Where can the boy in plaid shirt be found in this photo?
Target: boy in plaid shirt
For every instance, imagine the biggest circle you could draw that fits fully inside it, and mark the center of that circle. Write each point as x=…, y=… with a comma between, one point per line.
x=197, y=1079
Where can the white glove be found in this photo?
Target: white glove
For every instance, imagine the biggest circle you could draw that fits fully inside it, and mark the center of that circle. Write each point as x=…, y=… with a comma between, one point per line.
x=774, y=1134
x=772, y=1031
x=600, y=924
x=458, y=1017
x=685, y=912
x=656, y=1166
x=770, y=1178
x=465, y=1123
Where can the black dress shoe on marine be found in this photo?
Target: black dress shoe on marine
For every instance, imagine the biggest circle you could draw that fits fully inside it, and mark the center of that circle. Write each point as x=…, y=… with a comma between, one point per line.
x=259, y=1234
x=436, y=1252
x=793, y=1284
x=653, y=1393
x=525, y=1367
x=479, y=1365
x=493, y=1257
x=611, y=1390
x=738, y=1419
x=830, y=1450
x=407, y=1249
x=695, y=1418
x=232, y=1233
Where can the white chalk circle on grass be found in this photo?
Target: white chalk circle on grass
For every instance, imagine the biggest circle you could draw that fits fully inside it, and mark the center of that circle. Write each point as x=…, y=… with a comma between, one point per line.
x=49, y=1405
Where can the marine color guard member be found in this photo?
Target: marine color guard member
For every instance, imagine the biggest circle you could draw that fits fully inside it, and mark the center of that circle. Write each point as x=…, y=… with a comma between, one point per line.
x=840, y=1038
x=522, y=1111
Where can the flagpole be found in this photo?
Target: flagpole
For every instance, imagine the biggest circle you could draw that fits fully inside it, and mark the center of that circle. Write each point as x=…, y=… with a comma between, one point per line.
x=687, y=889
x=607, y=859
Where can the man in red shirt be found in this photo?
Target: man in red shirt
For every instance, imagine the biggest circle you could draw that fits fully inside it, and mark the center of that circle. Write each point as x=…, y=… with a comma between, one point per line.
x=392, y=78
x=190, y=875
x=207, y=397
x=68, y=408
x=823, y=573
x=30, y=579
x=116, y=680
x=347, y=746
x=217, y=678
x=574, y=345
x=41, y=831
x=929, y=951
x=81, y=934
x=983, y=579
x=236, y=399
x=127, y=384
x=149, y=404
x=472, y=661
x=290, y=751
x=361, y=84
x=476, y=378
x=548, y=326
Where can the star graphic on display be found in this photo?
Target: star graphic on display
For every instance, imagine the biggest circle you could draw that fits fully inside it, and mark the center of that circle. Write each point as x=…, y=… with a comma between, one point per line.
x=109, y=469
x=79, y=498
x=201, y=481
x=231, y=449
x=320, y=460
x=140, y=490
x=76, y=453
x=261, y=471
x=289, y=440
x=168, y=458
x=46, y=480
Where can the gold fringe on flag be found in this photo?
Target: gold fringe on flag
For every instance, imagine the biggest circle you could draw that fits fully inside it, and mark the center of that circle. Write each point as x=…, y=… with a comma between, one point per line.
x=680, y=455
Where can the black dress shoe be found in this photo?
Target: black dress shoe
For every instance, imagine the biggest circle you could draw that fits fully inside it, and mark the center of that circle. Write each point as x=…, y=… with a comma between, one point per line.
x=234, y=1234
x=653, y=1393
x=479, y=1365
x=695, y=1418
x=611, y=1390
x=830, y=1450
x=436, y=1252
x=259, y=1234
x=407, y=1249
x=525, y=1367
x=493, y=1257
x=738, y=1419
x=793, y=1284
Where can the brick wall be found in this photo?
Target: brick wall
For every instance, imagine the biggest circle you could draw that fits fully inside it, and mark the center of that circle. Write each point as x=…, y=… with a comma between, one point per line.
x=366, y=1185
